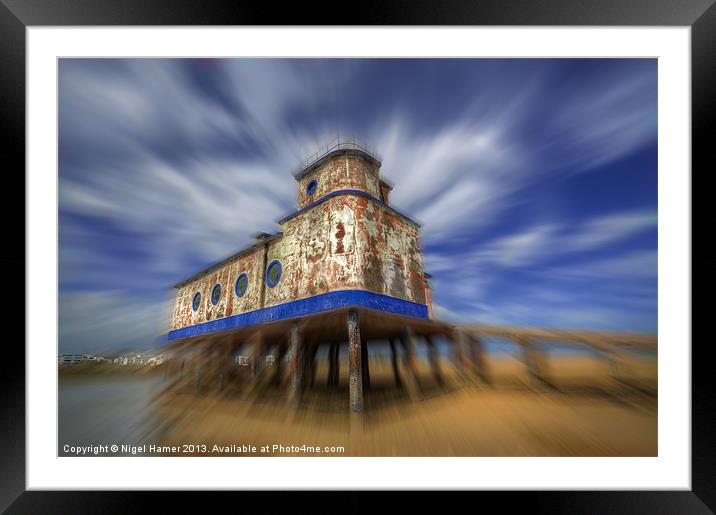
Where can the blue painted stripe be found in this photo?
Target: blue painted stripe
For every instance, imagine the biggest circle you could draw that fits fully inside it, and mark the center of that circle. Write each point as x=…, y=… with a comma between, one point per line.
x=350, y=192
x=302, y=307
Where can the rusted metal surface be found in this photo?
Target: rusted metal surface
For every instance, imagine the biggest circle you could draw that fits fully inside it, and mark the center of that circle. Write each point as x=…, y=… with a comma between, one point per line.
x=347, y=242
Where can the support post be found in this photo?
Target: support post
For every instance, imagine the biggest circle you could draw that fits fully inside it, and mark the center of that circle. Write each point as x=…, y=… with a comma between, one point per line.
x=312, y=364
x=457, y=354
x=617, y=367
x=333, y=364
x=278, y=364
x=477, y=353
x=257, y=354
x=365, y=365
x=412, y=380
x=329, y=377
x=394, y=363
x=433, y=356
x=407, y=343
x=533, y=360
x=355, y=383
x=337, y=365
x=296, y=363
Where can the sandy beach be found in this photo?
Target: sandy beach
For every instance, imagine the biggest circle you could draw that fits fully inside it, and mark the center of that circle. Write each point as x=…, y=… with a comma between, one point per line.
x=587, y=413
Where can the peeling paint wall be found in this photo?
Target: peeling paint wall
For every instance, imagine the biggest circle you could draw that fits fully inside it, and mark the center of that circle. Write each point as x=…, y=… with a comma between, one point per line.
x=347, y=242
x=229, y=304
x=317, y=252
x=390, y=261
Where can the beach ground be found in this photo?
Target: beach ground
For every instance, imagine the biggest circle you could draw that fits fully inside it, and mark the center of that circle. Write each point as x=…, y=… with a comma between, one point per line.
x=586, y=413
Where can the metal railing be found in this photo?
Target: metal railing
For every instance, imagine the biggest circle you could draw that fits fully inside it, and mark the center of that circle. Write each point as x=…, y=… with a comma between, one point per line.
x=338, y=144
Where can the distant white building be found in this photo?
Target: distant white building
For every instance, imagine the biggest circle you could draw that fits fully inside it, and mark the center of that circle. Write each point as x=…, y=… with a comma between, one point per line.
x=155, y=360
x=65, y=360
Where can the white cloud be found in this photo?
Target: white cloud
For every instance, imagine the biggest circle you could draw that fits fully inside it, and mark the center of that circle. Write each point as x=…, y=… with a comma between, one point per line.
x=540, y=243
x=610, y=228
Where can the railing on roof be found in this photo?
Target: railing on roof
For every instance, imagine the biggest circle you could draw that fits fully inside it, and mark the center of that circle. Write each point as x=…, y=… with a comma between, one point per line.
x=338, y=144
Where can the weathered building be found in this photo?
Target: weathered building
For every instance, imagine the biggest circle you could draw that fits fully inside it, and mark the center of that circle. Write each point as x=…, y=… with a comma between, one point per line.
x=344, y=246
x=345, y=272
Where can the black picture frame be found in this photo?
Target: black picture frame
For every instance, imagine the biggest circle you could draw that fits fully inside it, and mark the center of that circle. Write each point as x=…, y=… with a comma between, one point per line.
x=700, y=15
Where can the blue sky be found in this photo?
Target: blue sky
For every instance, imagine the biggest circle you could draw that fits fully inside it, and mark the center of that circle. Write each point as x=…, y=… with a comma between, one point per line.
x=535, y=180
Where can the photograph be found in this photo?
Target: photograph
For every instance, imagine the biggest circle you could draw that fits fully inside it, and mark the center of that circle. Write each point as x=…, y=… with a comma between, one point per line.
x=357, y=257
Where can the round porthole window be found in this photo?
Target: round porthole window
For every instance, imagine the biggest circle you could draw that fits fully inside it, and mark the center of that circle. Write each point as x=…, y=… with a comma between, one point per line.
x=196, y=301
x=312, y=186
x=216, y=293
x=242, y=284
x=273, y=273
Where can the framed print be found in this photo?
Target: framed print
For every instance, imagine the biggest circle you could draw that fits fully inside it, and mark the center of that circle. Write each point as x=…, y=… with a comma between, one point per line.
x=433, y=250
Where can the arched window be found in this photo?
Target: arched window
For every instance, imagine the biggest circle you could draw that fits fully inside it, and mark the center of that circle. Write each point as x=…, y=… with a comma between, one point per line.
x=216, y=293
x=242, y=284
x=312, y=186
x=273, y=273
x=195, y=302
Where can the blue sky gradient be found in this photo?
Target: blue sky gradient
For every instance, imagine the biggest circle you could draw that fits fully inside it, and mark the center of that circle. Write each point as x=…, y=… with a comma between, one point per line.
x=535, y=180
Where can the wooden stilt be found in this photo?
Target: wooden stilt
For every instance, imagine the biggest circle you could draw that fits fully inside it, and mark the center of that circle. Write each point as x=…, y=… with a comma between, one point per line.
x=296, y=363
x=479, y=362
x=434, y=363
x=254, y=365
x=257, y=354
x=278, y=365
x=355, y=383
x=534, y=362
x=365, y=365
x=458, y=356
x=329, y=377
x=234, y=367
x=394, y=363
x=336, y=364
x=412, y=380
x=333, y=365
x=617, y=367
x=408, y=346
x=312, y=365
x=228, y=351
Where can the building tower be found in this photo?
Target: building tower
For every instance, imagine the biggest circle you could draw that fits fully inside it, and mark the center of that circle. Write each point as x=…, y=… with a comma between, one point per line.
x=344, y=246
